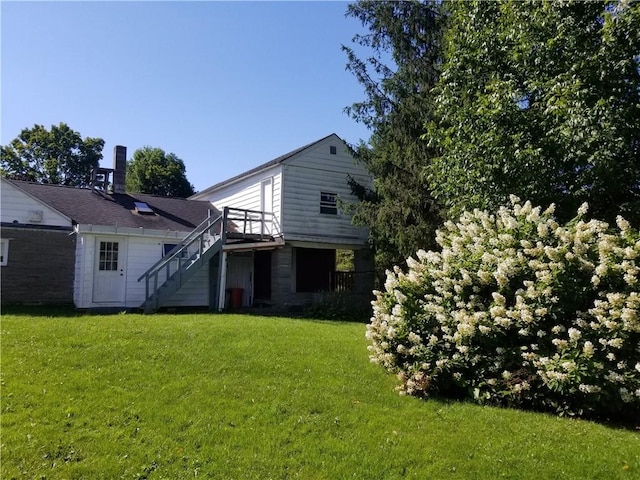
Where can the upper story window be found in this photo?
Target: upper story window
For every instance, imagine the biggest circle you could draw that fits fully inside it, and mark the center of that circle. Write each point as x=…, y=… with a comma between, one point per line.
x=4, y=251
x=329, y=203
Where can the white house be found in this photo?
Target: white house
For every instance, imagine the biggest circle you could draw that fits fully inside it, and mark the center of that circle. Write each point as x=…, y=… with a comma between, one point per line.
x=93, y=244
x=306, y=190
x=266, y=237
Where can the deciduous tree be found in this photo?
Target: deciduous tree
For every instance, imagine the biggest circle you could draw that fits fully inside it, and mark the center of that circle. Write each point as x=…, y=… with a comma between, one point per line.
x=153, y=171
x=540, y=99
x=59, y=155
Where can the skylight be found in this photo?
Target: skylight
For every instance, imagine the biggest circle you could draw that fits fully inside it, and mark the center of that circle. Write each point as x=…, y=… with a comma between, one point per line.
x=142, y=207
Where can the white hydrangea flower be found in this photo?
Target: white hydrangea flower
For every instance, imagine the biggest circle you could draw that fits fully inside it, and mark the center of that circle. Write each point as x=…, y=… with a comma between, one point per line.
x=583, y=209
x=615, y=342
x=587, y=349
x=574, y=334
x=623, y=225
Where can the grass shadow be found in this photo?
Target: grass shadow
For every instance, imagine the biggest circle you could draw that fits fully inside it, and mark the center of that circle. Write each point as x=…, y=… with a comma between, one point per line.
x=53, y=311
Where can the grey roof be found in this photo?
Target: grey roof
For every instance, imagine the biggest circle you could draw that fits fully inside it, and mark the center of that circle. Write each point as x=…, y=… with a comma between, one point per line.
x=268, y=164
x=87, y=206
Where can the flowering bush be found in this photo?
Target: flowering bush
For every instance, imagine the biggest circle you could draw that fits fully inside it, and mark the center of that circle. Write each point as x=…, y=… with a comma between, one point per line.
x=518, y=310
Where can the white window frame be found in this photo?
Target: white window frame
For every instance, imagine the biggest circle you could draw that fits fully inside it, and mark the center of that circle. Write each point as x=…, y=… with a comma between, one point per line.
x=328, y=203
x=4, y=252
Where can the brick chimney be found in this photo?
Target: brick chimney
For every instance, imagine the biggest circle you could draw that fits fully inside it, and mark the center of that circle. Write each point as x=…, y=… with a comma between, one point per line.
x=120, y=168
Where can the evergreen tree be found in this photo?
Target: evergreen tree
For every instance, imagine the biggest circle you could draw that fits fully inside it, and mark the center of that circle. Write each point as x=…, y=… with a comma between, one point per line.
x=404, y=42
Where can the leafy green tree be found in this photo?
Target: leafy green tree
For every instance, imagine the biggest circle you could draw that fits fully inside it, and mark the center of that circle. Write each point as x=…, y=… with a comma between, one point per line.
x=59, y=155
x=153, y=171
x=540, y=99
x=404, y=45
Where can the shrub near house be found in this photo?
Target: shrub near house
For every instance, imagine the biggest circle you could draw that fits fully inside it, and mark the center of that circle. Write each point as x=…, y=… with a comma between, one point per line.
x=518, y=310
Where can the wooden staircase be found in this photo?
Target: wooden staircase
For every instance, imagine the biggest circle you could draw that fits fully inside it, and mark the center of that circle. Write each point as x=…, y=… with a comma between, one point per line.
x=172, y=271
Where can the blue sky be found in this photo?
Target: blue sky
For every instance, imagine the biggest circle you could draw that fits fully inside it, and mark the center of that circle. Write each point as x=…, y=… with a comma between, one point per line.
x=225, y=86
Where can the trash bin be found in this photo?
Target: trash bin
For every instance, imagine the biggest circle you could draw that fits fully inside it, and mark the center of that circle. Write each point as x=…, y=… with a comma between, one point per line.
x=236, y=297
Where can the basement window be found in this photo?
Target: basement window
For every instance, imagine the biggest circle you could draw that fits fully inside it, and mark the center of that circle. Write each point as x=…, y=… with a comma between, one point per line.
x=4, y=252
x=329, y=203
x=143, y=208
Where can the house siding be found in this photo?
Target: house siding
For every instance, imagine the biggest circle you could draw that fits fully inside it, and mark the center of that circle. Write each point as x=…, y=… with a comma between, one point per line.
x=317, y=170
x=141, y=253
x=78, y=285
x=40, y=267
x=246, y=193
x=20, y=208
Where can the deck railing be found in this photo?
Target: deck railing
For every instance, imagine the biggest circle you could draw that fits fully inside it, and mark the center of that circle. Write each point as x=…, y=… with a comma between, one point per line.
x=234, y=223
x=342, y=281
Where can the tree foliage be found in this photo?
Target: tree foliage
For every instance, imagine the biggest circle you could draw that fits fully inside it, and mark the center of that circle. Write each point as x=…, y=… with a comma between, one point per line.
x=541, y=100
x=59, y=156
x=153, y=171
x=403, y=42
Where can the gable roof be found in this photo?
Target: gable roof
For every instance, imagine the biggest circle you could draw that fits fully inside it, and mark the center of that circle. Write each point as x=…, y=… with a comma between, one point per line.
x=93, y=207
x=264, y=166
x=4, y=181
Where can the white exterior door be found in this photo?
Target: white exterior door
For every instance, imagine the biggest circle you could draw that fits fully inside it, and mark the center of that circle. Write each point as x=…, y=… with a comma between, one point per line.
x=266, y=205
x=109, y=271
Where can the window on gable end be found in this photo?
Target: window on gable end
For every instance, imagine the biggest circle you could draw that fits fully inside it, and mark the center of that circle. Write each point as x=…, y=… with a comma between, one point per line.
x=329, y=203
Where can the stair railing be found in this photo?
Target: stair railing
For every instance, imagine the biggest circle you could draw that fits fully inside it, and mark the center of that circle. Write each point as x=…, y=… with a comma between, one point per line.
x=232, y=220
x=180, y=256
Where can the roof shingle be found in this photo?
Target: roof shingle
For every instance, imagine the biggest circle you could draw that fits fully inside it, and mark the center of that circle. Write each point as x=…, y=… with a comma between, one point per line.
x=87, y=206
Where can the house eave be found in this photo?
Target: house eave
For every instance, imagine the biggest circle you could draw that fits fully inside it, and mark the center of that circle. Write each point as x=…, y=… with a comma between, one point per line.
x=246, y=247
x=309, y=241
x=234, y=180
x=128, y=231
x=260, y=168
x=33, y=226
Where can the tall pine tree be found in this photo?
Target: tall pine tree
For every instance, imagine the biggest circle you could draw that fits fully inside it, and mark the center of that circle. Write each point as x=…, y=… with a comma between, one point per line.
x=404, y=43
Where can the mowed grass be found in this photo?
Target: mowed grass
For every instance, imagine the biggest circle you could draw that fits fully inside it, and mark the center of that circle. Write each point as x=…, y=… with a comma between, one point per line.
x=241, y=397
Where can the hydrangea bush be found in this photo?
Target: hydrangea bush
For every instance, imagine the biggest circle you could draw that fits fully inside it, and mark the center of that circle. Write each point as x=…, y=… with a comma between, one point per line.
x=518, y=310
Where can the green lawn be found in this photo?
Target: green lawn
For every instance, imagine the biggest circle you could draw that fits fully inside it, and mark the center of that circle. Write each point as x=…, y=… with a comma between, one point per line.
x=237, y=397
